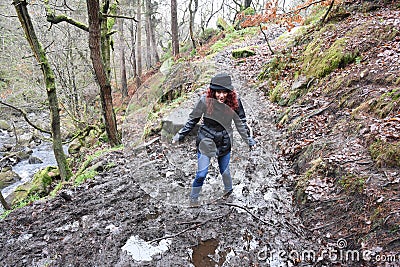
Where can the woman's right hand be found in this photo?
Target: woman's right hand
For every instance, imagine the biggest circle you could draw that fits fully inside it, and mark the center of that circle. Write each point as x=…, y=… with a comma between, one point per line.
x=176, y=138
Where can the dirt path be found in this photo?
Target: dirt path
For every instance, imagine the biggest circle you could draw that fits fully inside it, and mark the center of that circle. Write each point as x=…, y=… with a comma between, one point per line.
x=136, y=214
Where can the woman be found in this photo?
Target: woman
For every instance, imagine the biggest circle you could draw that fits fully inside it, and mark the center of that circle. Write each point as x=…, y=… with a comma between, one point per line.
x=214, y=139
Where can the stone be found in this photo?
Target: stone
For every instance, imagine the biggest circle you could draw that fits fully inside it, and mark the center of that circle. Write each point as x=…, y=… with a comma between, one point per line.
x=175, y=121
x=7, y=178
x=300, y=82
x=243, y=52
x=34, y=160
x=4, y=125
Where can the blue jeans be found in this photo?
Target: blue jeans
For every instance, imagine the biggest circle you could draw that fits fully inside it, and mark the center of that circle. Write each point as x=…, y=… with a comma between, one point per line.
x=203, y=162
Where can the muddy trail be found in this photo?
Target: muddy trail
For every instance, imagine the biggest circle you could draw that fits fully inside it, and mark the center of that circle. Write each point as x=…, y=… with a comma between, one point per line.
x=137, y=214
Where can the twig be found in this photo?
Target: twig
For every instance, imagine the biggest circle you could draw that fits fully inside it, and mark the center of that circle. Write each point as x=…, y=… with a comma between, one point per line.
x=322, y=226
x=15, y=134
x=119, y=17
x=318, y=112
x=190, y=228
x=266, y=39
x=326, y=14
x=249, y=212
x=296, y=229
x=144, y=145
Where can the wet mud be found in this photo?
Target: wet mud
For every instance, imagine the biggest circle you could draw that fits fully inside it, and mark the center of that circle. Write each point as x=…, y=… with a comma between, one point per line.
x=137, y=213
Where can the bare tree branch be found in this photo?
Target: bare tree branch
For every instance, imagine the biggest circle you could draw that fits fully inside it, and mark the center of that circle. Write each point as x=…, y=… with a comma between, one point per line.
x=190, y=228
x=25, y=117
x=63, y=18
x=52, y=18
x=266, y=39
x=119, y=16
x=305, y=7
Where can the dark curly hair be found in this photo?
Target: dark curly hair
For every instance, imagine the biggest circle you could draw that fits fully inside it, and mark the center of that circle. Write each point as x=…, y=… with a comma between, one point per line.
x=231, y=100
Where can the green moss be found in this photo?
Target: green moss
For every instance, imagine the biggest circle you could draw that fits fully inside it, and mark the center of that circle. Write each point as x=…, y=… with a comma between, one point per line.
x=294, y=95
x=224, y=25
x=272, y=70
x=293, y=36
x=249, y=11
x=386, y=103
x=87, y=174
x=243, y=52
x=40, y=185
x=385, y=154
x=319, y=63
x=276, y=94
x=316, y=15
x=233, y=37
x=352, y=183
x=43, y=179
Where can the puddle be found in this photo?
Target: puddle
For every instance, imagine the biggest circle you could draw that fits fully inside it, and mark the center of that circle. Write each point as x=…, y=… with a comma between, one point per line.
x=141, y=250
x=206, y=254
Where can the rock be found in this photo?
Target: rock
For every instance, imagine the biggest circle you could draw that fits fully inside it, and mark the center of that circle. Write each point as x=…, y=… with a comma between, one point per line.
x=175, y=121
x=24, y=154
x=74, y=147
x=4, y=125
x=40, y=185
x=243, y=52
x=25, y=139
x=166, y=66
x=6, y=148
x=301, y=82
x=8, y=178
x=99, y=166
x=34, y=160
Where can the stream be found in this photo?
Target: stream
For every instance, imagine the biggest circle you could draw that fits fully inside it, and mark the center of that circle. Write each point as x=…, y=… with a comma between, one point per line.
x=24, y=169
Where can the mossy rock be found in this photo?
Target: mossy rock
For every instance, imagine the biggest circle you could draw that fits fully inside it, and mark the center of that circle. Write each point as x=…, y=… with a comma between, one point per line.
x=40, y=185
x=166, y=66
x=386, y=103
x=4, y=125
x=275, y=95
x=243, y=52
x=385, y=154
x=8, y=178
x=74, y=147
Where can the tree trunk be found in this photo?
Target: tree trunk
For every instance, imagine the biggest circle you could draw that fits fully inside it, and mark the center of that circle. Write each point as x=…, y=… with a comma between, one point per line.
x=102, y=73
x=41, y=57
x=153, y=38
x=149, y=51
x=124, y=81
x=192, y=14
x=139, y=39
x=247, y=3
x=174, y=28
x=133, y=58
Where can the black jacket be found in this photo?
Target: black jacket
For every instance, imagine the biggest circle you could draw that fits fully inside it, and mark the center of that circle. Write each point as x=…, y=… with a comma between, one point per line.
x=215, y=135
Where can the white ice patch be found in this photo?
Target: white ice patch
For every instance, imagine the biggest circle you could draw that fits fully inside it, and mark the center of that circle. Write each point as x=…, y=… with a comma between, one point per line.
x=141, y=250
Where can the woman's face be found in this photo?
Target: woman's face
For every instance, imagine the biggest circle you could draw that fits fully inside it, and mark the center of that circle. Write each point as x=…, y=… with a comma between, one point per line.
x=221, y=95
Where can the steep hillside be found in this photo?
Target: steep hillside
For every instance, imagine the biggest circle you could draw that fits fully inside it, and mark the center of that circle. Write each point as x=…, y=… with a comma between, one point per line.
x=337, y=90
